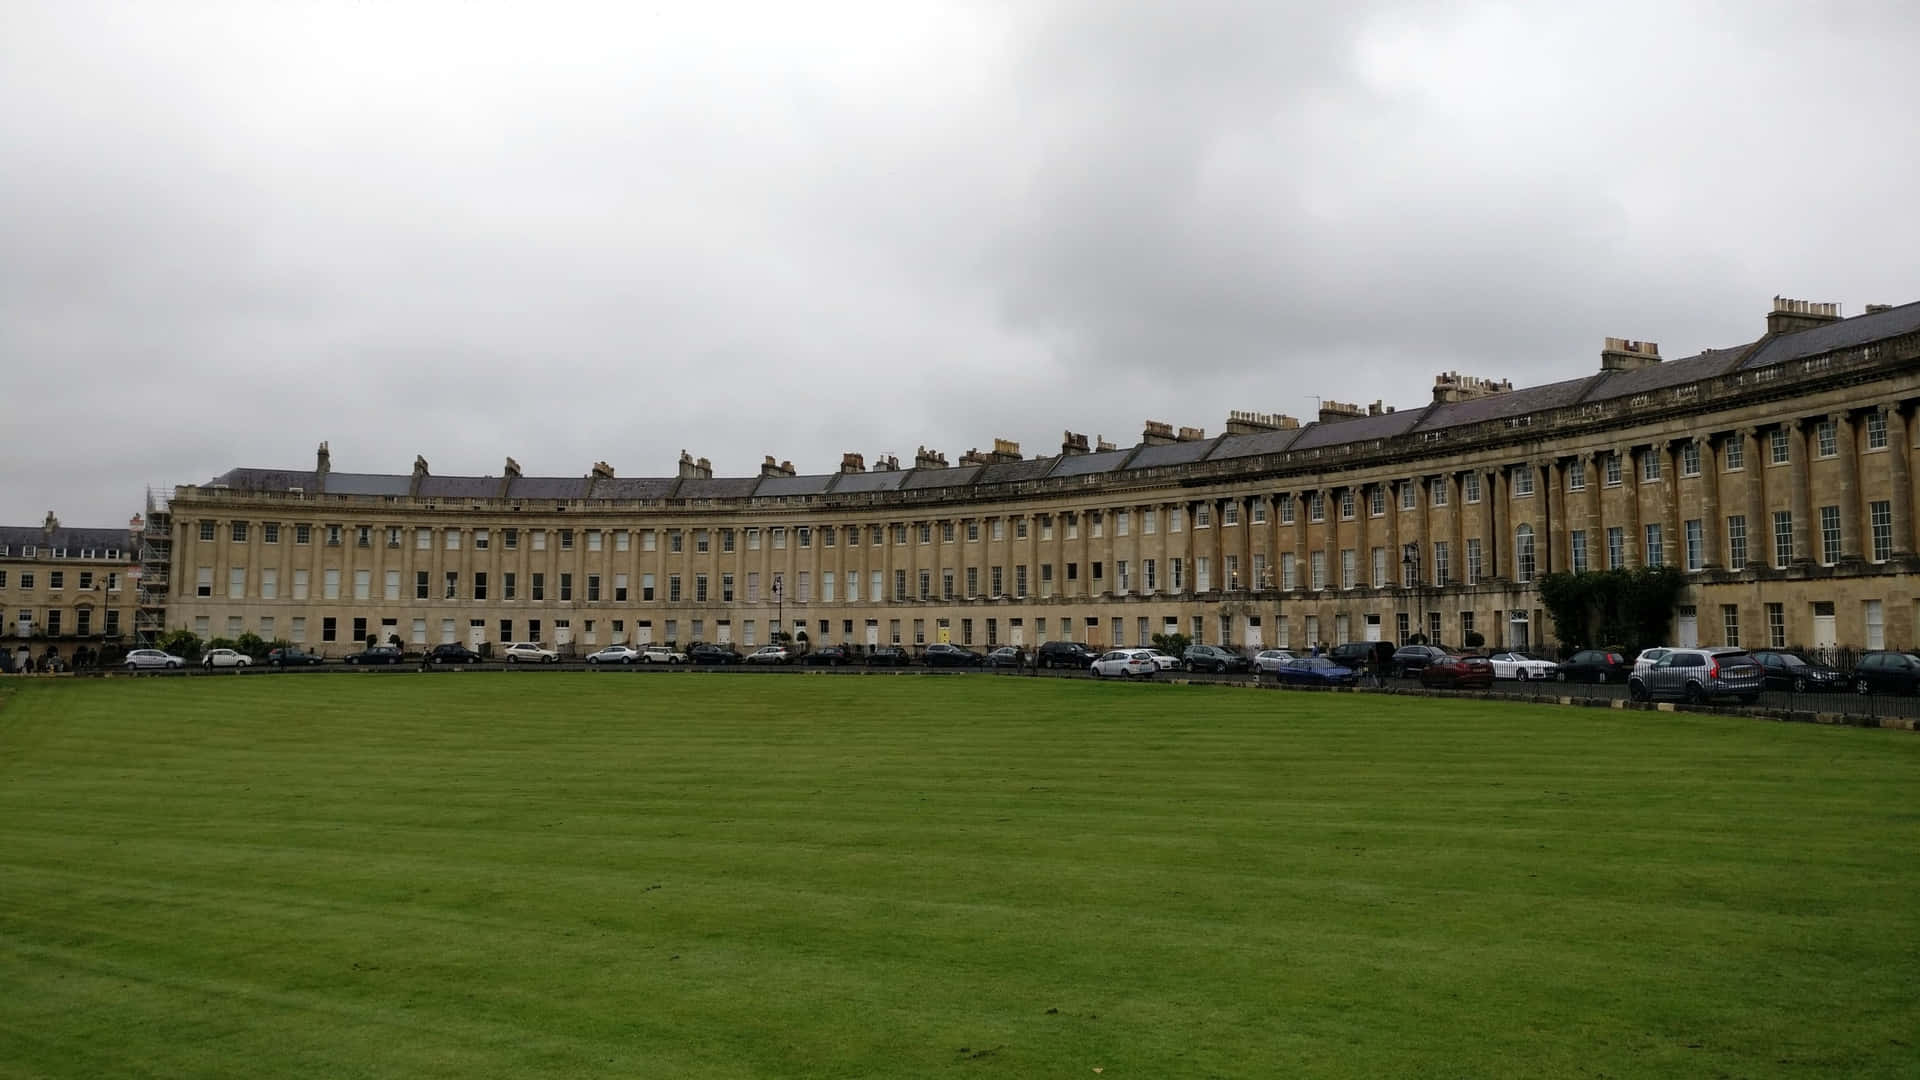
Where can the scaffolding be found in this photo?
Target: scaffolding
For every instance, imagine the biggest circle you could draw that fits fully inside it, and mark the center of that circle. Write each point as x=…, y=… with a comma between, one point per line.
x=156, y=563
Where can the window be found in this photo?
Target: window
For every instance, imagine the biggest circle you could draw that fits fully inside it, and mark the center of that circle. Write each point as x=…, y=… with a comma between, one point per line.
x=1782, y=448
x=330, y=585
x=236, y=582
x=1442, y=562
x=206, y=534
x=646, y=588
x=1696, y=543
x=1828, y=434
x=566, y=544
x=300, y=584
x=1829, y=535
x=539, y=590
x=1782, y=538
x=677, y=541
x=1655, y=551
x=1346, y=504
x=1259, y=513
x=925, y=532
x=1736, y=541
x=596, y=539
x=57, y=579
x=623, y=541
x=509, y=589
x=538, y=537
x=1149, y=571
x=1437, y=491
x=1289, y=571
x=1203, y=516
x=1316, y=570
x=1881, y=515
x=1409, y=498
x=1522, y=481
x=620, y=587
x=1523, y=553
x=1020, y=528
x=973, y=581
x=1286, y=512
x=1876, y=430
x=699, y=589
x=1616, y=547
x=1348, y=569
x=1178, y=569
x=1876, y=620
x=420, y=585
x=1476, y=561
x=510, y=539
x=566, y=586
x=1690, y=458
x=450, y=585
x=1317, y=506
x=1776, y=626
x=926, y=584
x=1579, y=546
x=593, y=587
x=303, y=534
x=673, y=588
x=1471, y=487
x=1650, y=464
x=1730, y=625
x=479, y=585
x=329, y=629
x=900, y=584
x=269, y=534
x=1735, y=453
x=1380, y=579
x=1577, y=475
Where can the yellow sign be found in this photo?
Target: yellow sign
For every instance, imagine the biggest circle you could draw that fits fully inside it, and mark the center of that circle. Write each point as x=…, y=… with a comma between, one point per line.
x=946, y=635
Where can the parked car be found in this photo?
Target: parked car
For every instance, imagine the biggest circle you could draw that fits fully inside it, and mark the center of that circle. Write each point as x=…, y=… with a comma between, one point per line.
x=452, y=653
x=828, y=656
x=662, y=654
x=1647, y=658
x=1699, y=675
x=1214, y=658
x=294, y=657
x=1887, y=673
x=1125, y=663
x=1315, y=671
x=710, y=653
x=224, y=658
x=140, y=659
x=615, y=654
x=1594, y=666
x=952, y=656
x=374, y=654
x=1409, y=659
x=1457, y=672
x=529, y=652
x=1360, y=654
x=1004, y=656
x=1165, y=661
x=1066, y=654
x=1268, y=661
x=770, y=654
x=1518, y=665
x=1790, y=671
x=889, y=656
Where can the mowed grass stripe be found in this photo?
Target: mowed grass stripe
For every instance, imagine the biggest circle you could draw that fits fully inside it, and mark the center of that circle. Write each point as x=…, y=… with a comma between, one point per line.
x=711, y=876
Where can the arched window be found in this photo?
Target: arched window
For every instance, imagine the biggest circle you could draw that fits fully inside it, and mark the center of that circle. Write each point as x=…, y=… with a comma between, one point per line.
x=1523, y=553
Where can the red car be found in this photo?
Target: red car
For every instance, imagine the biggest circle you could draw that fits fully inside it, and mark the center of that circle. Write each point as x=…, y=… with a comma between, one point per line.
x=1458, y=672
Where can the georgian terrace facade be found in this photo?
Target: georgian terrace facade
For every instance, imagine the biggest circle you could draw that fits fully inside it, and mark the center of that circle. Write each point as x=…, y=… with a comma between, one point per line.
x=1777, y=475
x=65, y=588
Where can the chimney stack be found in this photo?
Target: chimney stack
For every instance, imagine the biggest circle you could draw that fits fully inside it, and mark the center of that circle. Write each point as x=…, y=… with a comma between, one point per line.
x=1620, y=354
x=886, y=463
x=1875, y=309
x=852, y=463
x=323, y=464
x=52, y=523
x=419, y=474
x=1101, y=445
x=1789, y=315
x=770, y=467
x=694, y=470
x=508, y=476
x=929, y=459
x=1073, y=444
x=1449, y=386
x=1156, y=433
x=1334, y=411
x=602, y=471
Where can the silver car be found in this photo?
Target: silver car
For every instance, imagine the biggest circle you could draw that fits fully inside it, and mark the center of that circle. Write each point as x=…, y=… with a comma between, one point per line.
x=614, y=654
x=151, y=658
x=1270, y=661
x=1700, y=676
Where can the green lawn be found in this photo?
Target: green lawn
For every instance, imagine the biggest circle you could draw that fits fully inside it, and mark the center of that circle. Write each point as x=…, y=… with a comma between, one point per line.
x=547, y=875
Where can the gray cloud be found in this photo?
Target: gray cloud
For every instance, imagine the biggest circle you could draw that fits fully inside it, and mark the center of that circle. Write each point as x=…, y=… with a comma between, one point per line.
x=230, y=233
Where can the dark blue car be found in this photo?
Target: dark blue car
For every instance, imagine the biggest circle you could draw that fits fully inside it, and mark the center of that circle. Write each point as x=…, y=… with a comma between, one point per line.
x=1315, y=671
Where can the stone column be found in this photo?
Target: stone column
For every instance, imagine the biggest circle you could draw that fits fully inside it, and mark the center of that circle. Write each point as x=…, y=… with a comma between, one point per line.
x=1596, y=519
x=1801, y=451
x=1390, y=538
x=1899, y=451
x=1675, y=536
x=1489, y=526
x=1332, y=542
x=1457, y=488
x=1710, y=543
x=1247, y=580
x=1555, y=513
x=1850, y=508
x=1634, y=548
x=1499, y=552
x=1191, y=546
x=1759, y=526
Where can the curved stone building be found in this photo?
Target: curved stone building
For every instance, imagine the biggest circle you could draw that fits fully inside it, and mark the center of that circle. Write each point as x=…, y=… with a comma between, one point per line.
x=1776, y=474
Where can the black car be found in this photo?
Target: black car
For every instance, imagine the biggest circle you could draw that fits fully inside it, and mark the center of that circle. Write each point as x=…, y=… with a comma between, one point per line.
x=889, y=656
x=1409, y=660
x=1887, y=673
x=1377, y=655
x=952, y=656
x=830, y=656
x=1215, y=659
x=293, y=658
x=374, y=654
x=452, y=654
x=1791, y=671
x=1066, y=654
x=708, y=653
x=1594, y=666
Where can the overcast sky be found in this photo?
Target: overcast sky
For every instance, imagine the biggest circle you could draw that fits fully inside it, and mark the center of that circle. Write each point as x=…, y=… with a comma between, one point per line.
x=572, y=234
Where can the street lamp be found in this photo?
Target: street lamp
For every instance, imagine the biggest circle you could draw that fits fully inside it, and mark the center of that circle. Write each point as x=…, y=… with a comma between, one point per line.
x=1410, y=575
x=779, y=609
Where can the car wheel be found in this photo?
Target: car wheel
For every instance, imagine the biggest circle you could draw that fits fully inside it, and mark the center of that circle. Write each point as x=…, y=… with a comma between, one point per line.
x=1637, y=691
x=133, y=669
x=1800, y=684
x=593, y=660
x=171, y=665
x=1696, y=695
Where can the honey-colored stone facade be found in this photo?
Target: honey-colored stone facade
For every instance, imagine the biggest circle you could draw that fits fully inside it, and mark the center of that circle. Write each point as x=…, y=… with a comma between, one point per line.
x=64, y=589
x=1778, y=476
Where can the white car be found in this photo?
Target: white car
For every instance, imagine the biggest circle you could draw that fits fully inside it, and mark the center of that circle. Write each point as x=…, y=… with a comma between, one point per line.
x=152, y=658
x=769, y=654
x=218, y=658
x=529, y=652
x=1165, y=661
x=1518, y=665
x=1269, y=661
x=660, y=654
x=1647, y=658
x=615, y=654
x=1126, y=663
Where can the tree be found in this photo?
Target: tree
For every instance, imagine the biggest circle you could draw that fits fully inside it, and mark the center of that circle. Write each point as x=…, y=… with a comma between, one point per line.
x=182, y=643
x=1474, y=639
x=1172, y=644
x=1628, y=608
x=252, y=644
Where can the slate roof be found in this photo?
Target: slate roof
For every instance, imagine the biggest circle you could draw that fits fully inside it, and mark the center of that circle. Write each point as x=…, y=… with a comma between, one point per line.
x=1176, y=453
x=795, y=485
x=1009, y=472
x=1265, y=442
x=869, y=481
x=74, y=540
x=940, y=478
x=633, y=487
x=459, y=487
x=1895, y=321
x=339, y=483
x=1090, y=464
x=546, y=487
x=718, y=488
x=266, y=480
x=1619, y=384
x=1358, y=429
x=1511, y=403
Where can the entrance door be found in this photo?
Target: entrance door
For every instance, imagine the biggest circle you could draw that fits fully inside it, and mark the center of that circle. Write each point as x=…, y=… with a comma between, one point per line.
x=1689, y=627
x=1517, y=638
x=1825, y=640
x=1253, y=633
x=643, y=634
x=1372, y=628
x=725, y=633
x=476, y=635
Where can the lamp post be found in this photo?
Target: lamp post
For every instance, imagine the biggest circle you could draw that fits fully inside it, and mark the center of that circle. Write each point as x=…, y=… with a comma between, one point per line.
x=779, y=609
x=1410, y=575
